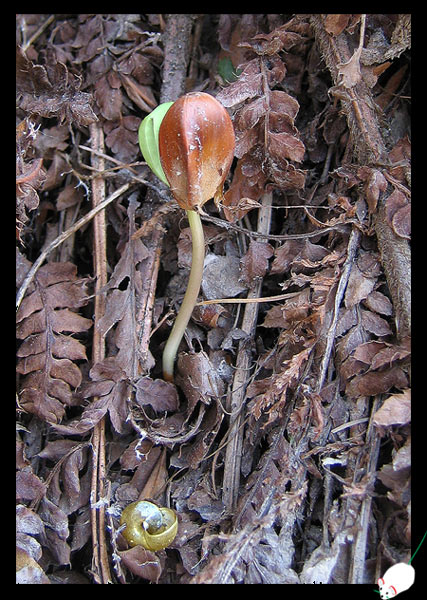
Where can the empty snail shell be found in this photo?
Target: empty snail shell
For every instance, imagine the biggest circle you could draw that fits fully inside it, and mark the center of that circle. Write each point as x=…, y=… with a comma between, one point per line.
x=148, y=525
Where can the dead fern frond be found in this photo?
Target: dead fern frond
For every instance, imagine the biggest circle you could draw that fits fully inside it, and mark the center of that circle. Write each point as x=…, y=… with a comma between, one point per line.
x=46, y=319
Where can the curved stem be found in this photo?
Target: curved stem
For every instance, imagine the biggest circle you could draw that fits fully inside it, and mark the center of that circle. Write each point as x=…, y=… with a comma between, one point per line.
x=191, y=294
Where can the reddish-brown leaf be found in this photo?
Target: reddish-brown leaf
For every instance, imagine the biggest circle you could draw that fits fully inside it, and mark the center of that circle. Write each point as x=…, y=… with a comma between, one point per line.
x=109, y=99
x=142, y=563
x=29, y=486
x=46, y=356
x=396, y=410
x=286, y=145
x=379, y=303
x=375, y=324
x=51, y=90
x=162, y=396
x=254, y=264
x=401, y=221
x=293, y=310
x=376, y=382
x=122, y=137
x=358, y=287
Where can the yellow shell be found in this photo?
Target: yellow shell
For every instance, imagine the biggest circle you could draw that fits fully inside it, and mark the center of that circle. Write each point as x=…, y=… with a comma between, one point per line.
x=148, y=525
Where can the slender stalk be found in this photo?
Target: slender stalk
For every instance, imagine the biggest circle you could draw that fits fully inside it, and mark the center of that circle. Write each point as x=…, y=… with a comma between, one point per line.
x=191, y=294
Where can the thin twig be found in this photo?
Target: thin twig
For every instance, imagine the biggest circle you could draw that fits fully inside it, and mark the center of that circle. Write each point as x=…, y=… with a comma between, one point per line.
x=373, y=443
x=99, y=543
x=248, y=300
x=353, y=244
x=231, y=480
x=270, y=236
x=37, y=33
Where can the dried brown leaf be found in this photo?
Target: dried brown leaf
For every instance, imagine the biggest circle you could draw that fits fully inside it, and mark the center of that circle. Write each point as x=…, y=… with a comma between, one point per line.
x=57, y=531
x=270, y=394
x=376, y=184
x=162, y=396
x=350, y=70
x=61, y=320
x=285, y=145
x=246, y=140
x=374, y=323
x=249, y=115
x=247, y=86
x=56, y=449
x=394, y=202
x=254, y=264
x=347, y=318
x=123, y=293
x=366, y=352
x=291, y=311
x=379, y=303
x=397, y=476
x=62, y=346
x=270, y=43
x=335, y=24
x=29, y=178
x=46, y=356
x=90, y=417
x=396, y=410
x=68, y=196
x=199, y=379
x=298, y=254
x=283, y=104
x=51, y=90
x=258, y=145
x=139, y=451
x=358, y=287
x=285, y=254
x=376, y=382
x=200, y=446
x=401, y=156
x=401, y=222
x=141, y=95
x=390, y=354
x=244, y=193
x=111, y=389
x=221, y=277
x=122, y=137
x=108, y=98
x=142, y=563
x=29, y=486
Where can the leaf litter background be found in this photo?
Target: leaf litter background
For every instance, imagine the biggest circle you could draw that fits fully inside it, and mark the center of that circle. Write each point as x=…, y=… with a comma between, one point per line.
x=285, y=445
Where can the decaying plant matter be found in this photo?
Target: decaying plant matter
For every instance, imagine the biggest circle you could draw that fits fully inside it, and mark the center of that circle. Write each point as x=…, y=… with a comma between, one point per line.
x=283, y=445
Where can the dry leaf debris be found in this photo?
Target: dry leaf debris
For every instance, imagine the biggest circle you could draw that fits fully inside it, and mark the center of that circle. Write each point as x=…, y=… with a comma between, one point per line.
x=323, y=372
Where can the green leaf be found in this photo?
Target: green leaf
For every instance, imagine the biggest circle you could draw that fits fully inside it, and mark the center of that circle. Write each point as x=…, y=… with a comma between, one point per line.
x=148, y=135
x=227, y=70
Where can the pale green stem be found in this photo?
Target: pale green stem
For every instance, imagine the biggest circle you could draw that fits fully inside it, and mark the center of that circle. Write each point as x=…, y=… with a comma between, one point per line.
x=190, y=298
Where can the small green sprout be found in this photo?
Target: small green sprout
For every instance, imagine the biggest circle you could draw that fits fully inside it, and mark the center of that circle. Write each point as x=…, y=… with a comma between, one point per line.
x=148, y=135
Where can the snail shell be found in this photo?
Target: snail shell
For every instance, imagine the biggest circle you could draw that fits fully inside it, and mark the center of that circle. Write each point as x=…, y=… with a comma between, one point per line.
x=148, y=525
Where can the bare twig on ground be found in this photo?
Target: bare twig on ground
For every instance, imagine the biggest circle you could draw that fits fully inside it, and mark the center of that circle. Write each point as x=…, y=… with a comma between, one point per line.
x=352, y=247
x=234, y=448
x=100, y=560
